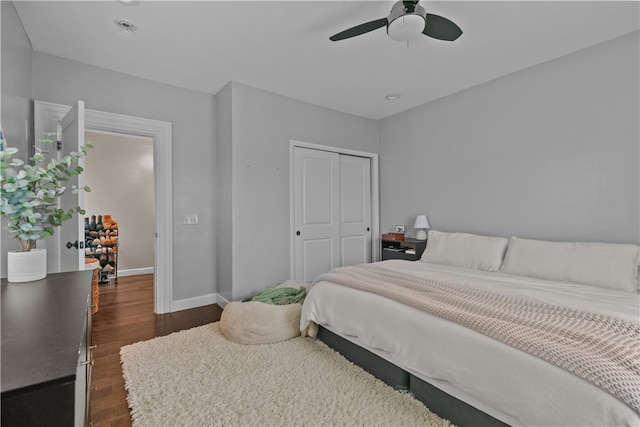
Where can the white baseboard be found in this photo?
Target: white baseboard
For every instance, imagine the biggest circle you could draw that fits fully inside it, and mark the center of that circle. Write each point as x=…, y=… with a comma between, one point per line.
x=136, y=271
x=188, y=303
x=222, y=302
x=183, y=304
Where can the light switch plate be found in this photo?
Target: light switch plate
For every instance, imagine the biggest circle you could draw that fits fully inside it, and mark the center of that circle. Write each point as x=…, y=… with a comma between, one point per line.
x=190, y=219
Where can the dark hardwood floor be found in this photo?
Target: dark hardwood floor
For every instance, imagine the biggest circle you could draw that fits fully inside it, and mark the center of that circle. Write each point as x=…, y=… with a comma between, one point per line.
x=125, y=316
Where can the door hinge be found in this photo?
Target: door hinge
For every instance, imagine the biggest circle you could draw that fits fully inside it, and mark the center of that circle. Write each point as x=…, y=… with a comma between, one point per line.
x=59, y=145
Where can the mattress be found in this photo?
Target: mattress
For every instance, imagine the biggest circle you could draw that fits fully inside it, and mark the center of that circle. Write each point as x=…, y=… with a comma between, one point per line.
x=506, y=383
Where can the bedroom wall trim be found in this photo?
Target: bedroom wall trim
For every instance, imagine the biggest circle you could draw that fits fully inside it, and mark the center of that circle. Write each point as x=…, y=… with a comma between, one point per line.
x=136, y=271
x=375, y=200
x=187, y=303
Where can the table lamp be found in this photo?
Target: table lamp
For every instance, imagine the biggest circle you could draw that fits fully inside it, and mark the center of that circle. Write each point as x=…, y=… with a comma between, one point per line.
x=421, y=224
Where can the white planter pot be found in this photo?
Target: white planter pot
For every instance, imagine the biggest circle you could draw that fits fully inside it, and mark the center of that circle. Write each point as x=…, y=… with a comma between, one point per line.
x=26, y=266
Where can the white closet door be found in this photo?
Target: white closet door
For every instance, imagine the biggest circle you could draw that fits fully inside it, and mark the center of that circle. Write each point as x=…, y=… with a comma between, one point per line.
x=355, y=210
x=317, y=199
x=332, y=211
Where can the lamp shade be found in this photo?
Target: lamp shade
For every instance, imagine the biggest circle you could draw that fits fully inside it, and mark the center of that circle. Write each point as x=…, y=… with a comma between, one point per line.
x=406, y=27
x=421, y=222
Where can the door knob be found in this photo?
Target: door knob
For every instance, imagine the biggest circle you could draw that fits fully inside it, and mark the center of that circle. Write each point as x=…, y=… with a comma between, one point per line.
x=74, y=244
x=297, y=233
x=368, y=229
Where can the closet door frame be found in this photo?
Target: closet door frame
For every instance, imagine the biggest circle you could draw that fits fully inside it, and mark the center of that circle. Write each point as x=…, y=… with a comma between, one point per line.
x=375, y=201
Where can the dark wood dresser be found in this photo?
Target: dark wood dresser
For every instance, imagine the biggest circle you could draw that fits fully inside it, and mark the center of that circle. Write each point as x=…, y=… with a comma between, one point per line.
x=46, y=351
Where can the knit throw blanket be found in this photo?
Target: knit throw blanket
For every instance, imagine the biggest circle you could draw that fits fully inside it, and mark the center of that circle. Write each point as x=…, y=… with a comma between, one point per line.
x=601, y=349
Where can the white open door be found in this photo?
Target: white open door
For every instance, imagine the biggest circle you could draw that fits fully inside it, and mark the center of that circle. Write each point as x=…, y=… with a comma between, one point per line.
x=71, y=233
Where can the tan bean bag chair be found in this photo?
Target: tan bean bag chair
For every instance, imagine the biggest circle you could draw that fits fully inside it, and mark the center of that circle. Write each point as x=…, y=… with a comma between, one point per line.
x=255, y=322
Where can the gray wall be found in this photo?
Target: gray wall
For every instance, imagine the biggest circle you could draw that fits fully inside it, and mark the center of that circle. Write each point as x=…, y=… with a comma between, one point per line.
x=15, y=89
x=192, y=113
x=263, y=124
x=550, y=152
x=119, y=171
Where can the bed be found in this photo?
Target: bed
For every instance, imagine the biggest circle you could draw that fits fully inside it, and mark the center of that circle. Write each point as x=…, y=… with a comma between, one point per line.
x=457, y=370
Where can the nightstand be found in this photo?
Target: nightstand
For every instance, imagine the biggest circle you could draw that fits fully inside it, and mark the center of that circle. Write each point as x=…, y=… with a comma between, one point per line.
x=409, y=249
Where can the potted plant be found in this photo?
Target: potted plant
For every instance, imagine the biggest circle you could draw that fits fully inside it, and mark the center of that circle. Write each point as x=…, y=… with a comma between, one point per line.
x=30, y=194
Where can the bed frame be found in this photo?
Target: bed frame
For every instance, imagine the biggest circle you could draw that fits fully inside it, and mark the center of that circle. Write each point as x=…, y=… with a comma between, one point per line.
x=438, y=402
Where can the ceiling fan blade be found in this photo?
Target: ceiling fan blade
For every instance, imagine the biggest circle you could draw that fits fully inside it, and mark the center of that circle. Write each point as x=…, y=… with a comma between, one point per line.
x=441, y=28
x=359, y=29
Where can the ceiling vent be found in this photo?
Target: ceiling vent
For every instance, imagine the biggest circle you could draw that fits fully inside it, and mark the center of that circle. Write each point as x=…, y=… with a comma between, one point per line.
x=126, y=25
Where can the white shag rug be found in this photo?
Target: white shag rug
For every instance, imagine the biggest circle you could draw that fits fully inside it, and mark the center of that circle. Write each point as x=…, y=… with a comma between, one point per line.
x=198, y=378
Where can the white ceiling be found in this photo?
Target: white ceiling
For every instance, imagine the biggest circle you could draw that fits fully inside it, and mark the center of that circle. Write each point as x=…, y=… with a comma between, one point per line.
x=284, y=46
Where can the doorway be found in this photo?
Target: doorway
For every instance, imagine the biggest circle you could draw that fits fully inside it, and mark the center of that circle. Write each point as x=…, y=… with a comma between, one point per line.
x=119, y=171
x=46, y=117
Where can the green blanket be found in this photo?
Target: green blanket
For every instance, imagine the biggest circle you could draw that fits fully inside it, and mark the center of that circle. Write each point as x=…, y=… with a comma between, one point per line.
x=280, y=296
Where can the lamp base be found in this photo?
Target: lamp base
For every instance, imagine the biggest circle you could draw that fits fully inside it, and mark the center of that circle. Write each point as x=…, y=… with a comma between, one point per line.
x=421, y=235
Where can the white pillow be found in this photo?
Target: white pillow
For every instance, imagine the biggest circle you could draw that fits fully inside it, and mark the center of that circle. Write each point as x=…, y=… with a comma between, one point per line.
x=606, y=265
x=465, y=250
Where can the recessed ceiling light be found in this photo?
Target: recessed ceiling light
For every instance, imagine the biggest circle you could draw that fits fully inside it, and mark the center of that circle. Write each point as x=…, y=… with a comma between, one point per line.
x=130, y=2
x=126, y=25
x=392, y=96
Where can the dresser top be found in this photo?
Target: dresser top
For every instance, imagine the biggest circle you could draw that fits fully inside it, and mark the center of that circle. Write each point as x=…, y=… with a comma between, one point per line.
x=43, y=325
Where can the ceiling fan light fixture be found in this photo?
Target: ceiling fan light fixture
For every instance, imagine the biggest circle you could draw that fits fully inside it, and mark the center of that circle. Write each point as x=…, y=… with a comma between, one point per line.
x=406, y=21
x=406, y=27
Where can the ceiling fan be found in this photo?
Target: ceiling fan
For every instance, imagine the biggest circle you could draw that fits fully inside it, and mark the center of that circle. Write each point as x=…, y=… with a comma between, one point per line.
x=406, y=21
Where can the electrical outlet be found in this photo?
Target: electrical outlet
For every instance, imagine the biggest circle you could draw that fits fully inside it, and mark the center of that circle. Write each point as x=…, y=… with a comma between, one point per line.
x=190, y=219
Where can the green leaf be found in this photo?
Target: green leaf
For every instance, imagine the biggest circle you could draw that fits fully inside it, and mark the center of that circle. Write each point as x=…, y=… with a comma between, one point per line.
x=30, y=191
x=9, y=187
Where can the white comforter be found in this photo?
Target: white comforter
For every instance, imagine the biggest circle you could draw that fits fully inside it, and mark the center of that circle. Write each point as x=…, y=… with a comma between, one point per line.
x=504, y=382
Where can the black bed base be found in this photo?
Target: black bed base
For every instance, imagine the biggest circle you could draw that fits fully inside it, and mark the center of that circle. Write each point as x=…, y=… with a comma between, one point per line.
x=438, y=402
x=377, y=366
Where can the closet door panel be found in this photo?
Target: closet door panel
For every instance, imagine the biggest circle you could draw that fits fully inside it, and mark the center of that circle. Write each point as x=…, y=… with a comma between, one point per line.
x=332, y=211
x=317, y=259
x=316, y=198
x=355, y=210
